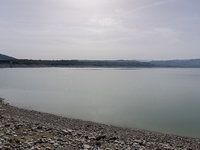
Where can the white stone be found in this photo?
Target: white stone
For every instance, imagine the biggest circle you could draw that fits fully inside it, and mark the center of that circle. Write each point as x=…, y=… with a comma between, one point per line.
x=86, y=146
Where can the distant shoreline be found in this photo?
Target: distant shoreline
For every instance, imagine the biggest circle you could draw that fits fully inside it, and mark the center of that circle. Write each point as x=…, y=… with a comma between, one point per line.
x=77, y=133
x=25, y=63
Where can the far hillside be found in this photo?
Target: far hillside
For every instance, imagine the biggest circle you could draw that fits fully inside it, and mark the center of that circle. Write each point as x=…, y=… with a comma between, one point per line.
x=3, y=57
x=191, y=63
x=7, y=61
x=74, y=63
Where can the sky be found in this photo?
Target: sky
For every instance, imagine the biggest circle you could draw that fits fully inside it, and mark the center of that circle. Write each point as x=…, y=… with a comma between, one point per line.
x=100, y=29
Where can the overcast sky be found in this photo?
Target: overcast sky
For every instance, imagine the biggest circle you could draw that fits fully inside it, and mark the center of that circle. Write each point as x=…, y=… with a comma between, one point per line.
x=100, y=29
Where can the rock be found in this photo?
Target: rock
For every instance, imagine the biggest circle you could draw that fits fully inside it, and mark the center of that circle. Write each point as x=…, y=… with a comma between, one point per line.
x=52, y=142
x=55, y=145
x=42, y=140
x=69, y=130
x=100, y=137
x=85, y=146
x=60, y=139
x=92, y=138
x=7, y=125
x=112, y=138
x=39, y=127
x=65, y=131
x=98, y=143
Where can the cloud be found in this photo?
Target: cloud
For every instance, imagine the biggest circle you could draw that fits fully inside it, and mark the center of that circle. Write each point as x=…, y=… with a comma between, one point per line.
x=151, y=5
x=108, y=22
x=166, y=33
x=103, y=24
x=98, y=30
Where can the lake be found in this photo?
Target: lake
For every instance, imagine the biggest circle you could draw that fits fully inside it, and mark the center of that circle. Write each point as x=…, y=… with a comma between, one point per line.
x=163, y=100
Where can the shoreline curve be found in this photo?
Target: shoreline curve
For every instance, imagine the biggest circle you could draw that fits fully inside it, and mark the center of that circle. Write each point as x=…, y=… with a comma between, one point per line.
x=29, y=129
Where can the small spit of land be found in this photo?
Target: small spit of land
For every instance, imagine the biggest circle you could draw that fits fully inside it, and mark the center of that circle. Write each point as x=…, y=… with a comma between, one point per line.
x=28, y=129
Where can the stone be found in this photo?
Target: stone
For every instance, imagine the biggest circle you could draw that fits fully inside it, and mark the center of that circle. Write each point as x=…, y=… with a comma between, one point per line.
x=7, y=125
x=42, y=140
x=60, y=139
x=52, y=142
x=100, y=137
x=55, y=145
x=98, y=143
x=85, y=146
x=65, y=131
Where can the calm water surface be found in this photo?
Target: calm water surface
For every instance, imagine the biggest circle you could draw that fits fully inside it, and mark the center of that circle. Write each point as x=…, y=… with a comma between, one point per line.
x=157, y=99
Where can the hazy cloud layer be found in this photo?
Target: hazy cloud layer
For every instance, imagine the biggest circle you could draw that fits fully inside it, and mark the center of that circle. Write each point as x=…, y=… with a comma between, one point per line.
x=100, y=29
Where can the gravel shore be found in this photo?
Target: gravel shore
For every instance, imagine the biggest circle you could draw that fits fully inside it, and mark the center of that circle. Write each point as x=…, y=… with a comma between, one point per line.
x=27, y=129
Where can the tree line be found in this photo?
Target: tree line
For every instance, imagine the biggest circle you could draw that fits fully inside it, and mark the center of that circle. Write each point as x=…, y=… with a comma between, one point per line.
x=76, y=63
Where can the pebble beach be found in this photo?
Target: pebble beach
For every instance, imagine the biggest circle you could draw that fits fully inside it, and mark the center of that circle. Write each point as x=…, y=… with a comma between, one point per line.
x=22, y=129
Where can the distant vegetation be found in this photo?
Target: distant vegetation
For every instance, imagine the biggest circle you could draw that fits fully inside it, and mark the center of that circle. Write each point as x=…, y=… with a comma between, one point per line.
x=7, y=61
x=74, y=63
